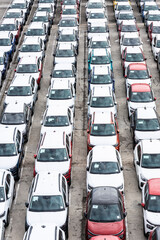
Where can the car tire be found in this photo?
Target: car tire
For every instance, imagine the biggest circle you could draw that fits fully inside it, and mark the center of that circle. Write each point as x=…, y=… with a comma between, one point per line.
x=7, y=219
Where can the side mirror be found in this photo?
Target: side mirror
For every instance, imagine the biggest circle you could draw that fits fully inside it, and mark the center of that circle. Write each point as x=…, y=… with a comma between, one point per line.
x=9, y=195
x=54, y=54
x=154, y=45
x=50, y=75
x=155, y=98
x=117, y=130
x=87, y=130
x=70, y=155
x=125, y=75
x=137, y=162
x=67, y=204
x=47, y=95
x=125, y=214
x=150, y=76
x=15, y=70
x=41, y=122
x=26, y=204
x=35, y=155
x=85, y=214
x=87, y=103
x=87, y=168
x=127, y=98
x=143, y=205
x=20, y=150
x=39, y=70
x=121, y=168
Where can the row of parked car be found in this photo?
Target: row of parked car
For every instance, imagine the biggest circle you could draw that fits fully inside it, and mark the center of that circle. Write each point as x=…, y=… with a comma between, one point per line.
x=144, y=120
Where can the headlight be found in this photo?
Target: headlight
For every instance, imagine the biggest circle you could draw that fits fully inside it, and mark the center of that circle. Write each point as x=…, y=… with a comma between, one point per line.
x=150, y=225
x=89, y=187
x=120, y=187
x=71, y=106
x=121, y=236
x=143, y=178
x=2, y=215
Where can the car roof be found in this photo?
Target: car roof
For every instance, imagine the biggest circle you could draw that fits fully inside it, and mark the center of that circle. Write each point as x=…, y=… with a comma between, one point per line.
x=100, y=91
x=14, y=107
x=63, y=66
x=8, y=21
x=131, y=35
x=99, y=52
x=48, y=139
x=67, y=31
x=140, y=87
x=125, y=12
x=100, y=70
x=146, y=113
x=28, y=60
x=98, y=24
x=60, y=84
x=43, y=188
x=40, y=13
x=104, y=153
x=137, y=66
x=105, y=195
x=102, y=117
x=154, y=12
x=128, y=22
x=57, y=111
x=36, y=25
x=14, y=10
x=17, y=80
x=7, y=134
x=123, y=3
x=154, y=186
x=4, y=34
x=44, y=5
x=99, y=38
x=150, y=3
x=151, y=146
x=31, y=40
x=133, y=49
x=66, y=46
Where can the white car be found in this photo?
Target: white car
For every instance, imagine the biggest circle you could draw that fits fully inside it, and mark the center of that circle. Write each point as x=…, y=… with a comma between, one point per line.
x=65, y=52
x=151, y=16
x=44, y=232
x=68, y=23
x=140, y=95
x=25, y=91
x=104, y=165
x=61, y=92
x=148, y=6
x=58, y=118
x=94, y=5
x=69, y=36
x=156, y=46
x=43, y=16
x=21, y=4
x=151, y=205
x=17, y=14
x=146, y=159
x=7, y=44
x=153, y=31
x=130, y=40
x=128, y=27
x=102, y=99
x=98, y=29
x=48, y=201
x=48, y=7
x=122, y=6
x=94, y=17
x=125, y=16
x=99, y=42
x=69, y=11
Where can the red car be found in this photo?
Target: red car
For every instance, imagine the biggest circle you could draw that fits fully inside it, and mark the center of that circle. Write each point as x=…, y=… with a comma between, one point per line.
x=153, y=30
x=105, y=237
x=105, y=213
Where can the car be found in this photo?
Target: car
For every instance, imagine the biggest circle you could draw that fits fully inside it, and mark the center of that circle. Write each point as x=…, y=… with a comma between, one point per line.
x=123, y=16
x=151, y=16
x=148, y=6
x=62, y=93
x=95, y=16
x=74, y=3
x=58, y=118
x=98, y=29
x=69, y=12
x=151, y=205
x=69, y=36
x=127, y=27
x=105, y=208
x=140, y=95
x=37, y=30
x=7, y=44
x=99, y=42
x=48, y=8
x=137, y=73
x=69, y=24
x=122, y=6
x=4, y=65
x=144, y=124
x=99, y=56
x=146, y=159
x=17, y=114
x=130, y=40
x=51, y=2
x=44, y=17
x=141, y=2
x=7, y=195
x=43, y=232
x=54, y=152
x=16, y=14
x=158, y=61
x=21, y=4
x=102, y=99
x=101, y=76
x=155, y=234
x=65, y=71
x=32, y=47
x=156, y=46
x=153, y=31
x=115, y=2
x=132, y=55
x=48, y=203
x=105, y=237
x=22, y=90
x=65, y=52
x=11, y=150
x=30, y=65
x=94, y=5
x=104, y=165
x=102, y=130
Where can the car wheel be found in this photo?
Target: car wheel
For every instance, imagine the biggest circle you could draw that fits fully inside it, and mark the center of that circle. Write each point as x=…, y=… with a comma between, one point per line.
x=7, y=219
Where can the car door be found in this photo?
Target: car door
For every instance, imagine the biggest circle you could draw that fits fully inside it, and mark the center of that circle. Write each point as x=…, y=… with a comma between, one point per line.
x=9, y=186
x=34, y=88
x=138, y=152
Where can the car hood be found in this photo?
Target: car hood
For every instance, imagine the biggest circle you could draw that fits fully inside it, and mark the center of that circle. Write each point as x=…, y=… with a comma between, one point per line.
x=105, y=228
x=31, y=54
x=20, y=127
x=61, y=167
x=100, y=20
x=66, y=103
x=72, y=80
x=74, y=43
x=69, y=28
x=131, y=81
x=139, y=135
x=91, y=110
x=34, y=75
x=127, y=63
x=8, y=162
x=25, y=99
x=104, y=140
x=64, y=60
x=136, y=105
x=90, y=35
x=66, y=129
x=153, y=217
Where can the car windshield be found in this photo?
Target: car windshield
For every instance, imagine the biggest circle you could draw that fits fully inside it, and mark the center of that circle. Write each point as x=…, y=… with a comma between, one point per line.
x=105, y=213
x=67, y=23
x=35, y=32
x=102, y=102
x=44, y=9
x=70, y=2
x=104, y=168
x=147, y=124
x=141, y=97
x=7, y=150
x=98, y=29
x=153, y=17
x=19, y=91
x=64, y=53
x=150, y=7
x=99, y=44
x=129, y=28
x=52, y=155
x=5, y=42
x=131, y=42
x=58, y=94
x=103, y=130
x=100, y=60
x=56, y=121
x=153, y=203
x=126, y=16
x=40, y=19
x=27, y=68
x=18, y=5
x=7, y=27
x=13, y=15
x=158, y=44
x=2, y=194
x=134, y=57
x=62, y=74
x=1, y=61
x=69, y=11
x=30, y=48
x=67, y=37
x=156, y=29
x=124, y=7
x=94, y=5
x=97, y=16
x=138, y=74
x=46, y=1
x=101, y=79
x=13, y=118
x=46, y=203
x=150, y=161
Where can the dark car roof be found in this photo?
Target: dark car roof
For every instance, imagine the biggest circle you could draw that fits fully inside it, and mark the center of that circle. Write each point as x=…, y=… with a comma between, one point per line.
x=105, y=195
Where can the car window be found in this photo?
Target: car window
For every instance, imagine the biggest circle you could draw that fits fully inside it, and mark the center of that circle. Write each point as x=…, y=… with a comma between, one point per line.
x=146, y=193
x=139, y=152
x=6, y=188
x=90, y=158
x=8, y=179
x=64, y=189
